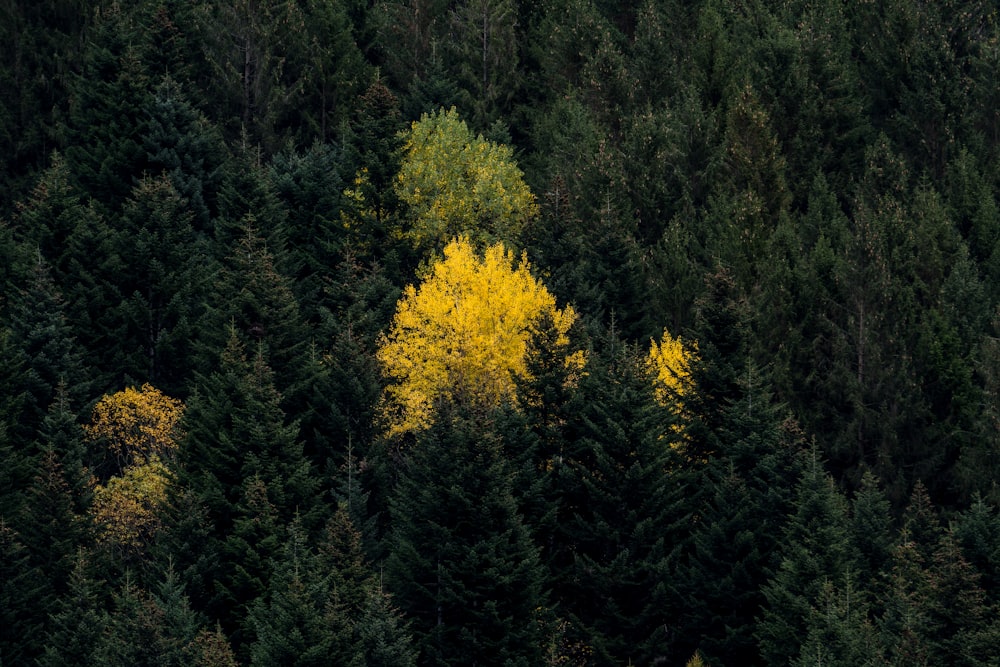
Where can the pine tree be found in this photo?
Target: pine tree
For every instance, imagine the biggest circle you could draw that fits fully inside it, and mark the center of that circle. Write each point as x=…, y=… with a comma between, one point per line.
x=607, y=561
x=162, y=290
x=23, y=592
x=483, y=53
x=106, y=122
x=297, y=621
x=733, y=491
x=977, y=531
x=182, y=145
x=310, y=185
x=871, y=532
x=382, y=634
x=246, y=563
x=50, y=354
x=77, y=624
x=813, y=553
x=461, y=562
x=839, y=633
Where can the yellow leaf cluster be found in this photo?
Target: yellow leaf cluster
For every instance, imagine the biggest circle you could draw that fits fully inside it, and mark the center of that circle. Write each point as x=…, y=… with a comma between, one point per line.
x=126, y=509
x=457, y=184
x=670, y=361
x=138, y=424
x=462, y=335
x=140, y=427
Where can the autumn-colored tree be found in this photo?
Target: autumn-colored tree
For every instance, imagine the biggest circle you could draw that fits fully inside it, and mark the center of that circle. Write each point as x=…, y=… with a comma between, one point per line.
x=456, y=183
x=670, y=360
x=463, y=333
x=126, y=508
x=140, y=429
x=138, y=425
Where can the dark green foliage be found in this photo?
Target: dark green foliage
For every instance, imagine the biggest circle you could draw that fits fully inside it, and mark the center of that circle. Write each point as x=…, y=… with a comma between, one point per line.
x=237, y=431
x=16, y=471
x=202, y=195
x=812, y=555
x=839, y=631
x=977, y=531
x=383, y=639
x=733, y=492
x=161, y=293
x=298, y=620
x=935, y=608
x=311, y=185
x=49, y=353
x=78, y=622
x=40, y=46
x=182, y=145
x=461, y=562
x=106, y=120
x=609, y=493
x=871, y=532
x=22, y=588
x=148, y=629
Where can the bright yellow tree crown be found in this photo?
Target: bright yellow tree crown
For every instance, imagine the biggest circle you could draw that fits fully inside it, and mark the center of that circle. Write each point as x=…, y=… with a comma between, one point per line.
x=138, y=424
x=671, y=360
x=462, y=334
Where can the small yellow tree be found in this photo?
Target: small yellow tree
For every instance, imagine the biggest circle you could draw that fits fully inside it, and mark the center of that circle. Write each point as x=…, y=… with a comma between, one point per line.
x=140, y=427
x=463, y=333
x=457, y=184
x=126, y=509
x=670, y=360
x=137, y=424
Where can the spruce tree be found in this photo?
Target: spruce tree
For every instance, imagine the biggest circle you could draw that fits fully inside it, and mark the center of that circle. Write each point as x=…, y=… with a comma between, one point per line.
x=733, y=486
x=182, y=145
x=812, y=553
x=78, y=622
x=161, y=292
x=461, y=562
x=23, y=593
x=297, y=621
x=611, y=503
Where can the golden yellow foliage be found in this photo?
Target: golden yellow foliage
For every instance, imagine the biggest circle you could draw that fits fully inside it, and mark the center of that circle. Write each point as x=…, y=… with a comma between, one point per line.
x=457, y=184
x=463, y=333
x=138, y=424
x=140, y=427
x=670, y=360
x=125, y=509
x=696, y=660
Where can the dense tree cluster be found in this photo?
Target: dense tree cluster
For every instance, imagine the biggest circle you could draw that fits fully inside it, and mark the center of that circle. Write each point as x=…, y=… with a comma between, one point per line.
x=499, y=332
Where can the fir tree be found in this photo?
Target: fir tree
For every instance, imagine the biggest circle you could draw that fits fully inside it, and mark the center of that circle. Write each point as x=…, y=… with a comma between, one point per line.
x=813, y=552
x=611, y=502
x=78, y=622
x=461, y=562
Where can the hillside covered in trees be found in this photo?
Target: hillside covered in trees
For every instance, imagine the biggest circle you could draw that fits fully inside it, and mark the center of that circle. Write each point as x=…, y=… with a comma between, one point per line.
x=499, y=332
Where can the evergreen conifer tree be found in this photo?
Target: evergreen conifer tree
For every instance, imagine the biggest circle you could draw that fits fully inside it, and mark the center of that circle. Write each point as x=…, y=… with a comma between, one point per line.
x=611, y=502
x=461, y=564
x=78, y=622
x=812, y=553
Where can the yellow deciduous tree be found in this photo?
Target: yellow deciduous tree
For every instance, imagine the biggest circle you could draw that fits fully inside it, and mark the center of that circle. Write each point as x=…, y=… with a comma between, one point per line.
x=140, y=428
x=457, y=184
x=126, y=509
x=137, y=424
x=670, y=360
x=463, y=333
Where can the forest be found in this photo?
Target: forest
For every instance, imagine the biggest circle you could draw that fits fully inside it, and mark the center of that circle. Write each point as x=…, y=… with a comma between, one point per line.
x=499, y=333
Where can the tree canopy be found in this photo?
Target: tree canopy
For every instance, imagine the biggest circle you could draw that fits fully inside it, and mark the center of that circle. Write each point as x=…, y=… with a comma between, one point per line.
x=461, y=335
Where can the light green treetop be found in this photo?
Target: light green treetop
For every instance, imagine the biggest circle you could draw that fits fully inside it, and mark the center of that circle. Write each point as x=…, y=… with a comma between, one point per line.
x=456, y=184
